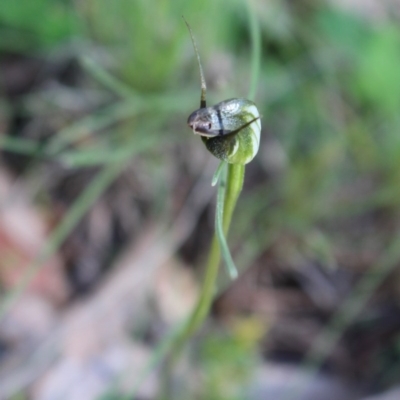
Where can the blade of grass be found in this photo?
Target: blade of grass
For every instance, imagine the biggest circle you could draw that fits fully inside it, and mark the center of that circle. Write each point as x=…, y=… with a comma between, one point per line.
x=19, y=145
x=113, y=114
x=255, y=37
x=72, y=218
x=107, y=79
x=92, y=123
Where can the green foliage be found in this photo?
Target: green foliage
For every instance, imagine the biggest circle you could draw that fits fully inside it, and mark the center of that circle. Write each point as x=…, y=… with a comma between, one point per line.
x=149, y=37
x=27, y=25
x=378, y=74
x=228, y=360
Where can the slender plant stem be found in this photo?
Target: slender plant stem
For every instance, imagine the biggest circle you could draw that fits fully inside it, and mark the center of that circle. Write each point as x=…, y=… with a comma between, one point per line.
x=233, y=186
x=234, y=183
x=230, y=186
x=255, y=34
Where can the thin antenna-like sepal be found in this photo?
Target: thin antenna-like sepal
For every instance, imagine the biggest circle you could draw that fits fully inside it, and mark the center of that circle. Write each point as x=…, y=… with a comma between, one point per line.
x=203, y=103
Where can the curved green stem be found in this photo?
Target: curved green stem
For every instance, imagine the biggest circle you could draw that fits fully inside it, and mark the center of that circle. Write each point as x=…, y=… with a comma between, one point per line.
x=234, y=184
x=219, y=223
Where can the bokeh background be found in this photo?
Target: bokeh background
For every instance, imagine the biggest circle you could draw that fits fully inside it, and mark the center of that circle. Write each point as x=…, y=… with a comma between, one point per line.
x=107, y=212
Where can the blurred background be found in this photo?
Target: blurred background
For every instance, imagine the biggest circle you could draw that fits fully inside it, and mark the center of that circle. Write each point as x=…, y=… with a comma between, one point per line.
x=107, y=212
